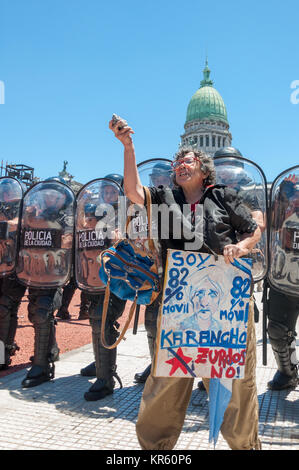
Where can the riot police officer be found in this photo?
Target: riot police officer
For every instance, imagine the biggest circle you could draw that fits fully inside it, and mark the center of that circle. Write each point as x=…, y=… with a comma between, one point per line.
x=68, y=291
x=160, y=174
x=232, y=174
x=280, y=297
x=229, y=165
x=10, y=301
x=283, y=313
x=283, y=279
x=104, y=367
x=12, y=291
x=44, y=264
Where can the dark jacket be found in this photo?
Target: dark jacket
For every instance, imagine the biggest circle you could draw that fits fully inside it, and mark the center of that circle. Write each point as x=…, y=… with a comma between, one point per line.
x=224, y=216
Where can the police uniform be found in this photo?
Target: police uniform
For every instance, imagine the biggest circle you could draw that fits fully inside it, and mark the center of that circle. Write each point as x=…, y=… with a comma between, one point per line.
x=160, y=176
x=10, y=300
x=42, y=299
x=11, y=290
x=104, y=367
x=283, y=298
x=283, y=313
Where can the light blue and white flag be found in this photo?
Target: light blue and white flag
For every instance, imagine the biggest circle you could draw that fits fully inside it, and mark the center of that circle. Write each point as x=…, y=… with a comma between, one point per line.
x=220, y=392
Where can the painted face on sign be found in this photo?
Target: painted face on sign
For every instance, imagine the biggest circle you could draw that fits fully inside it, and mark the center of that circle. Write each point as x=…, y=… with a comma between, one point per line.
x=206, y=299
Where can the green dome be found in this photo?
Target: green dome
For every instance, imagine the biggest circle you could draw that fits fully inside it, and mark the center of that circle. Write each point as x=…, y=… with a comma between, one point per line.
x=206, y=103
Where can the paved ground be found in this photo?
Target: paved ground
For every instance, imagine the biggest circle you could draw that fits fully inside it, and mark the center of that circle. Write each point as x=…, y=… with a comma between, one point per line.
x=55, y=416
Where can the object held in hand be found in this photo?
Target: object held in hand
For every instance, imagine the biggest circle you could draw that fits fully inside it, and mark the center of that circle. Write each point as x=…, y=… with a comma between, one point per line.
x=117, y=119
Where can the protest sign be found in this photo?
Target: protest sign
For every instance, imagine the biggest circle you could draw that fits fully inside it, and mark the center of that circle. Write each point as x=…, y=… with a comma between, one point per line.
x=202, y=325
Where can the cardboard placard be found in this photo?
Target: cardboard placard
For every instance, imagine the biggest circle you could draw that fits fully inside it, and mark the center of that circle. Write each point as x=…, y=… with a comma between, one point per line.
x=202, y=324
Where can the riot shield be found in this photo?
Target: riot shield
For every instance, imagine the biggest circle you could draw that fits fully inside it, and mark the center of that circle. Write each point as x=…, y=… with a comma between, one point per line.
x=155, y=172
x=98, y=223
x=284, y=232
x=250, y=183
x=46, y=240
x=11, y=194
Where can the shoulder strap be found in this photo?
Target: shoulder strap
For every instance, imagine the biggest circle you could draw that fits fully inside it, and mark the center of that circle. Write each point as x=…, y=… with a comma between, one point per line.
x=148, y=204
x=149, y=217
x=104, y=316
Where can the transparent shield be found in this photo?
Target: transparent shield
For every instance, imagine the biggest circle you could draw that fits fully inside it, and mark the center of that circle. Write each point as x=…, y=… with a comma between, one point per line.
x=250, y=183
x=11, y=194
x=284, y=232
x=99, y=222
x=155, y=172
x=46, y=238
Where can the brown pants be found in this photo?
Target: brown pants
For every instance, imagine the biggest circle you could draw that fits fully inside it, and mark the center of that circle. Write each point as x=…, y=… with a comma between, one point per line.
x=165, y=400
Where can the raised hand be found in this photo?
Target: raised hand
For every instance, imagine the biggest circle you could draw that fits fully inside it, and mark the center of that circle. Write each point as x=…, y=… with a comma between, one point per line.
x=121, y=130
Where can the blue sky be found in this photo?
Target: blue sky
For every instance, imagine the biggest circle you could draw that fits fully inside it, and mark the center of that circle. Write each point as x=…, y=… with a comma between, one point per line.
x=67, y=65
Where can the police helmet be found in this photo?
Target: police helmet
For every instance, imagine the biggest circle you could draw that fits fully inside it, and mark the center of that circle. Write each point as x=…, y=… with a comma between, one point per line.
x=51, y=183
x=116, y=178
x=228, y=152
x=90, y=209
x=56, y=178
x=161, y=169
x=11, y=186
x=233, y=173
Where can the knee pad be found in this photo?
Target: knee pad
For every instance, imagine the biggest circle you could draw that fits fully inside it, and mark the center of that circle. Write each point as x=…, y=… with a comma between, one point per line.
x=40, y=309
x=5, y=303
x=8, y=305
x=115, y=309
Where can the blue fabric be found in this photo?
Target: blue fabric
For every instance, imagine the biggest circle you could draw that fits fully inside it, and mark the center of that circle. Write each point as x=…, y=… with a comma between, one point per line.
x=220, y=392
x=126, y=280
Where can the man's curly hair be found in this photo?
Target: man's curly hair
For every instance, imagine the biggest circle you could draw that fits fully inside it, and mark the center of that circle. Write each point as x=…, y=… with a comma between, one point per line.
x=206, y=164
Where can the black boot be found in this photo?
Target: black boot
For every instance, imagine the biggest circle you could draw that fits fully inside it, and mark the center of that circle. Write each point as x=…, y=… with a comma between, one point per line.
x=89, y=371
x=282, y=381
x=8, y=324
x=38, y=375
x=10, y=350
x=141, y=377
x=201, y=386
x=45, y=353
x=105, y=371
x=4, y=329
x=63, y=314
x=102, y=387
x=285, y=354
